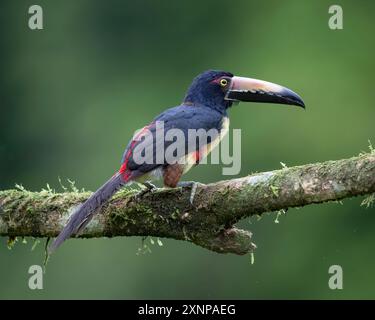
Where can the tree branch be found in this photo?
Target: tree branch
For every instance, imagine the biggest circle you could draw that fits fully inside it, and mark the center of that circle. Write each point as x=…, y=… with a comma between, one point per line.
x=209, y=223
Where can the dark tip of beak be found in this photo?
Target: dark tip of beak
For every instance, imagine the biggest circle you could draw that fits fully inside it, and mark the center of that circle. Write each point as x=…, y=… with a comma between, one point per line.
x=289, y=97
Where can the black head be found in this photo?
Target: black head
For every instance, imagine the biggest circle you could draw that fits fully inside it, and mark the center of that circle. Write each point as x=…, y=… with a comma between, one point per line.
x=209, y=89
x=219, y=89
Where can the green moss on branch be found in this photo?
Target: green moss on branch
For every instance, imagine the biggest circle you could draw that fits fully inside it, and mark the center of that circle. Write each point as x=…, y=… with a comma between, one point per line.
x=168, y=213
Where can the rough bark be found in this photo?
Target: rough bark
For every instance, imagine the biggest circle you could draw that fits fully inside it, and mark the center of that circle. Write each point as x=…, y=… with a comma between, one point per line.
x=209, y=222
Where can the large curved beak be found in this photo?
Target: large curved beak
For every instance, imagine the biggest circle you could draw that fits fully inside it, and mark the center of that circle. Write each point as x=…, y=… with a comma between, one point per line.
x=253, y=90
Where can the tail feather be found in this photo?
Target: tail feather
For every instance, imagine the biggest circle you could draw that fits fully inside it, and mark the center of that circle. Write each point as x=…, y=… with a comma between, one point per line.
x=83, y=214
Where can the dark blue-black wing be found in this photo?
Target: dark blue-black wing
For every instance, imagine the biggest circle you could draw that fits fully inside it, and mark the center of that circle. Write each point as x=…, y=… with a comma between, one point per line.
x=147, y=150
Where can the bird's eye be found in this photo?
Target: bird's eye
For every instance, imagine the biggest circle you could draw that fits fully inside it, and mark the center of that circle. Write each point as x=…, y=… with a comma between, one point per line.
x=223, y=82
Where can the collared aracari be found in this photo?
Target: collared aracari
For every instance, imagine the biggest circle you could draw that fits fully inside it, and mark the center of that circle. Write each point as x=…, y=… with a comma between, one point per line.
x=205, y=107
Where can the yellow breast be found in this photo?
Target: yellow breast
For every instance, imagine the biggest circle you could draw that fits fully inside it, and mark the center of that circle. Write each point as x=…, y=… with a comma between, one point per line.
x=190, y=159
x=215, y=143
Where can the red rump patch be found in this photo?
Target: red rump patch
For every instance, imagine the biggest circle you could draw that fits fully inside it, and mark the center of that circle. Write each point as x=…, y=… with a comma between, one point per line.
x=123, y=169
x=197, y=156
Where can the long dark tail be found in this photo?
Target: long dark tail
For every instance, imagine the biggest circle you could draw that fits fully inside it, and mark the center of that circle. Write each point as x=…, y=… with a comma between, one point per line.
x=84, y=213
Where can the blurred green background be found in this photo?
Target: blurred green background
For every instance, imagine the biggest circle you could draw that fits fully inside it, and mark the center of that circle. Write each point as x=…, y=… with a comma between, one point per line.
x=73, y=94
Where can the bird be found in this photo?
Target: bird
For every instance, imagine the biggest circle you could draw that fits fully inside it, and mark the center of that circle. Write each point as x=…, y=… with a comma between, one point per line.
x=205, y=106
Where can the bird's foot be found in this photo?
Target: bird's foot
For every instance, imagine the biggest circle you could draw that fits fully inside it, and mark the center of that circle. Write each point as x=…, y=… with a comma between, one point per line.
x=148, y=187
x=193, y=185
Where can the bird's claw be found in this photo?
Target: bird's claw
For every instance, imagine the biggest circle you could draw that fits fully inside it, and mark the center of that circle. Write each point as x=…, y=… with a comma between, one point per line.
x=149, y=187
x=193, y=185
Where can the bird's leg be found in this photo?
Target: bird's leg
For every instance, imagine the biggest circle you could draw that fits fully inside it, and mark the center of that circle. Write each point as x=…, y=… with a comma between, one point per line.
x=148, y=187
x=172, y=174
x=193, y=185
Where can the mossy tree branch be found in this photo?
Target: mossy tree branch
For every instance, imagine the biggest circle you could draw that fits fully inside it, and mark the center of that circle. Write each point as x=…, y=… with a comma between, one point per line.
x=209, y=223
